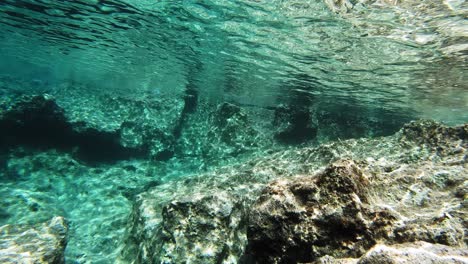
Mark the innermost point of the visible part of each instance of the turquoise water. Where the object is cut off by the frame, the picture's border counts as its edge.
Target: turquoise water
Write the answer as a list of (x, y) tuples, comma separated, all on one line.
[(411, 54), (139, 93)]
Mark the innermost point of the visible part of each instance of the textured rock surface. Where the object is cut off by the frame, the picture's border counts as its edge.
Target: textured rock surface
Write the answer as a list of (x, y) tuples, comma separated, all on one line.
[(300, 219), (337, 199), (119, 126), (146, 123), (410, 253), (116, 128), (39, 122), (41, 243), (202, 222), (352, 205), (219, 134)]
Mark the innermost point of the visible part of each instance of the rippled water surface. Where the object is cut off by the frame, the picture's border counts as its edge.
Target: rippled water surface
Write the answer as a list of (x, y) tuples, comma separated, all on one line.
[(396, 54)]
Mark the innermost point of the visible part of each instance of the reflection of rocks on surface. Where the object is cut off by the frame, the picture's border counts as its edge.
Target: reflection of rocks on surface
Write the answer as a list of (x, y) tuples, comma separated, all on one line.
[(42, 243), (395, 189)]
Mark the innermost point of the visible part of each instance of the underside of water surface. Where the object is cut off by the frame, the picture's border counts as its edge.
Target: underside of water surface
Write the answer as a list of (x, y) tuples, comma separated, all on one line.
[(121, 121)]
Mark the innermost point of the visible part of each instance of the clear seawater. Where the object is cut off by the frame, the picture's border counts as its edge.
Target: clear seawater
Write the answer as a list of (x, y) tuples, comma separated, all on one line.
[(383, 60)]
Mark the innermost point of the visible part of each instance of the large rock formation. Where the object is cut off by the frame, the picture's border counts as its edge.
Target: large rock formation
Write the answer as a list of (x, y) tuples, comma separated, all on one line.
[(98, 126), (338, 199), (41, 243), (300, 219), (144, 123), (349, 207)]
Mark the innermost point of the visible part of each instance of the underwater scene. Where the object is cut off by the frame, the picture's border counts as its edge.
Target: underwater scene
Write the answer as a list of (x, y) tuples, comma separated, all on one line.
[(233, 131)]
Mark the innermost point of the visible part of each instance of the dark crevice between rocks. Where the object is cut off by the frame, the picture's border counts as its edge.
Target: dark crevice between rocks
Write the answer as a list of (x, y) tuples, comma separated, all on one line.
[(164, 155), (95, 146), (38, 123), (295, 125), (294, 121)]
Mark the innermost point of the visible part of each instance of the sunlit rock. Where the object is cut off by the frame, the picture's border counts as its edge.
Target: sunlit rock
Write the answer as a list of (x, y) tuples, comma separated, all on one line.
[(410, 253), (286, 207), (41, 243)]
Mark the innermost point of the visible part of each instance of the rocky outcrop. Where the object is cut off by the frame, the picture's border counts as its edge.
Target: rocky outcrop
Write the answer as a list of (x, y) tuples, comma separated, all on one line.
[(443, 140), (96, 127), (294, 125), (34, 120), (38, 122), (353, 205), (42, 243), (338, 199), (193, 224), (301, 219), (220, 133), (349, 207), (146, 123)]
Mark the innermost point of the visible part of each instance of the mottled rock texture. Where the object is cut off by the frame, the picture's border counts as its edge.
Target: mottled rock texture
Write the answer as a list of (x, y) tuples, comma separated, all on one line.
[(94, 127), (300, 219), (338, 199), (101, 128), (220, 134), (409, 253), (41, 243), (352, 205), (146, 123)]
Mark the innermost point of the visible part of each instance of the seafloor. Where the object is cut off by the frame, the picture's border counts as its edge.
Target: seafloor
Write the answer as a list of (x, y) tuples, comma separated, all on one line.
[(222, 183)]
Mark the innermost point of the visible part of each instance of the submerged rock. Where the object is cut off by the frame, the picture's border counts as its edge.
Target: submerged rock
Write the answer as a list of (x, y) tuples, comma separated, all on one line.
[(338, 199), (32, 120), (300, 219), (145, 124), (219, 134), (98, 126), (349, 207), (411, 253), (38, 122), (195, 224), (42, 243)]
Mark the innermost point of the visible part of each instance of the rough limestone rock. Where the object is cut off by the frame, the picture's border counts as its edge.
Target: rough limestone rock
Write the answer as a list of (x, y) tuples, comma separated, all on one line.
[(338, 199), (146, 123), (220, 133), (306, 217), (443, 140), (352, 205), (409, 253), (118, 126), (42, 243), (194, 224)]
